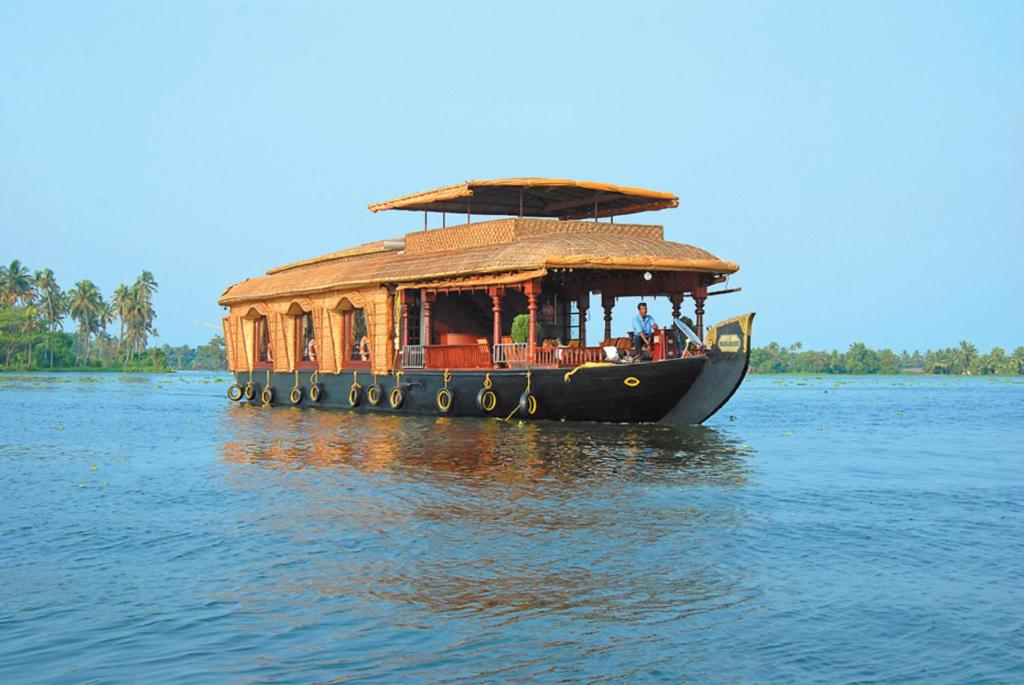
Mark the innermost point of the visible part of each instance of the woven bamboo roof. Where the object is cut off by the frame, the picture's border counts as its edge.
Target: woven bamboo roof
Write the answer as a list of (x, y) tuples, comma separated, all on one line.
[(534, 197), (496, 248)]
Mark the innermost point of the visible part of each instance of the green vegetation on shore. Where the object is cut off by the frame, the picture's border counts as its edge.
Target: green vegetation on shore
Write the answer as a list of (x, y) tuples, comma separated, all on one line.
[(963, 359), (34, 308)]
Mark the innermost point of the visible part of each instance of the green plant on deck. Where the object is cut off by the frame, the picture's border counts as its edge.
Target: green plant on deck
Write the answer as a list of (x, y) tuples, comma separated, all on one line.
[(521, 329)]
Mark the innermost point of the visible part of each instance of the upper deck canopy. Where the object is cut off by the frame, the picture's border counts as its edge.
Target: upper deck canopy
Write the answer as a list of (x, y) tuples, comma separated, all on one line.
[(534, 197)]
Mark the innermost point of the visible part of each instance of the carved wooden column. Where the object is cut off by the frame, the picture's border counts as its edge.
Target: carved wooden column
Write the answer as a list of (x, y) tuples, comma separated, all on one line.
[(699, 311), (496, 308), (677, 303), (582, 306), (425, 335), (405, 320), (607, 302), (531, 299)]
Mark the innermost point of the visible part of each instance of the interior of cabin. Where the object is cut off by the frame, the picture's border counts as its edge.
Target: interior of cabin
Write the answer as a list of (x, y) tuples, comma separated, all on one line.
[(459, 325)]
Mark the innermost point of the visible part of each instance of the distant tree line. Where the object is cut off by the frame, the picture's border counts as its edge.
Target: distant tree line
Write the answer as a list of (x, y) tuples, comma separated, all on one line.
[(210, 357), (964, 359), (33, 309)]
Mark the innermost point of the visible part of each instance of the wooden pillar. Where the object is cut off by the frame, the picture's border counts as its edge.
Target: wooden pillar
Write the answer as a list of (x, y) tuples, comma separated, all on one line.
[(677, 303), (699, 311), (496, 308), (405, 320), (607, 302), (582, 305), (425, 334), (531, 290)]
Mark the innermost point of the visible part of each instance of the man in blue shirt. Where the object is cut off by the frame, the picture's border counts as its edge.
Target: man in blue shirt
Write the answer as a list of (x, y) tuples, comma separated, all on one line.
[(643, 329)]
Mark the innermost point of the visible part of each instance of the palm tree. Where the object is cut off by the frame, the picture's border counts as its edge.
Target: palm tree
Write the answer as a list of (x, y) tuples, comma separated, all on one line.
[(144, 288), (966, 353), (53, 305), (1017, 361), (29, 327), (121, 301), (106, 313), (15, 283), (84, 303), (146, 285)]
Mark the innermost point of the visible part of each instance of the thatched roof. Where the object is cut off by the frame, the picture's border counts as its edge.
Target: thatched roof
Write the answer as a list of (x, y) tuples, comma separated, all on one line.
[(534, 197), (499, 247)]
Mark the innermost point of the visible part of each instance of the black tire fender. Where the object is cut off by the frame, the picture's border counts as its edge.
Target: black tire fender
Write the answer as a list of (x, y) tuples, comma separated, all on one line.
[(486, 400), (528, 404), (445, 399), (374, 394)]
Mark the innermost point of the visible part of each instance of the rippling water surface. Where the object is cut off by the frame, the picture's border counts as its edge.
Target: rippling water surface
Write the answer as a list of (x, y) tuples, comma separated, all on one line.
[(864, 529)]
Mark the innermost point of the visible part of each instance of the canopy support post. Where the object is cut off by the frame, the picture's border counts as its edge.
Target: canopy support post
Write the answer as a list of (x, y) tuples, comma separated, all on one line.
[(427, 301), (405, 320), (699, 311), (607, 302), (520, 202), (582, 305), (677, 302), (424, 219), (496, 309), (531, 303)]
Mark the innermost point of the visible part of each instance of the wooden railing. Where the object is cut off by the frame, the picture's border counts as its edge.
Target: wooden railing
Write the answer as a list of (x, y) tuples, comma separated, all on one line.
[(457, 356), (480, 356), (567, 356)]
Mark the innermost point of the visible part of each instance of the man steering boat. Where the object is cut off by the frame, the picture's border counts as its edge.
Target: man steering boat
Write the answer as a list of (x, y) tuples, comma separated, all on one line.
[(644, 328)]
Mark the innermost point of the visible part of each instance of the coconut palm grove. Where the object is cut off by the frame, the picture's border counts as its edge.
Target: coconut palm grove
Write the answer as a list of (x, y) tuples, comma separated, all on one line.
[(44, 327)]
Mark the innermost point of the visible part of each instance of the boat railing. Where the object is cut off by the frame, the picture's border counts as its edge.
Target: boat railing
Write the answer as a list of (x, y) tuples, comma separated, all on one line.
[(568, 356), (511, 353), (476, 356), (412, 357), (483, 356)]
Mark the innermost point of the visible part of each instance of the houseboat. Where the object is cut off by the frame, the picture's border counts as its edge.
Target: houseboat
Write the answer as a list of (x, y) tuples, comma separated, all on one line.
[(490, 317)]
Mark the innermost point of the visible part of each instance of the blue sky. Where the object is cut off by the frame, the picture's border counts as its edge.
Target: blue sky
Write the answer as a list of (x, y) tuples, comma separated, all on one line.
[(863, 162)]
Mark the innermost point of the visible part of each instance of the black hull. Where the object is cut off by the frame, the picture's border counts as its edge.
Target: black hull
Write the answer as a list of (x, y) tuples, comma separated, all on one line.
[(677, 391)]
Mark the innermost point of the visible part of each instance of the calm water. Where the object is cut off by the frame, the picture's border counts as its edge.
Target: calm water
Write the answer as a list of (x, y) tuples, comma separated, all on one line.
[(867, 529)]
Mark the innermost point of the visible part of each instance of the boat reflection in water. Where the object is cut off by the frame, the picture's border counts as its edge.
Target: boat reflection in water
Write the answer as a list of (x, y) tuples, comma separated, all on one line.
[(504, 521), (515, 451)]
